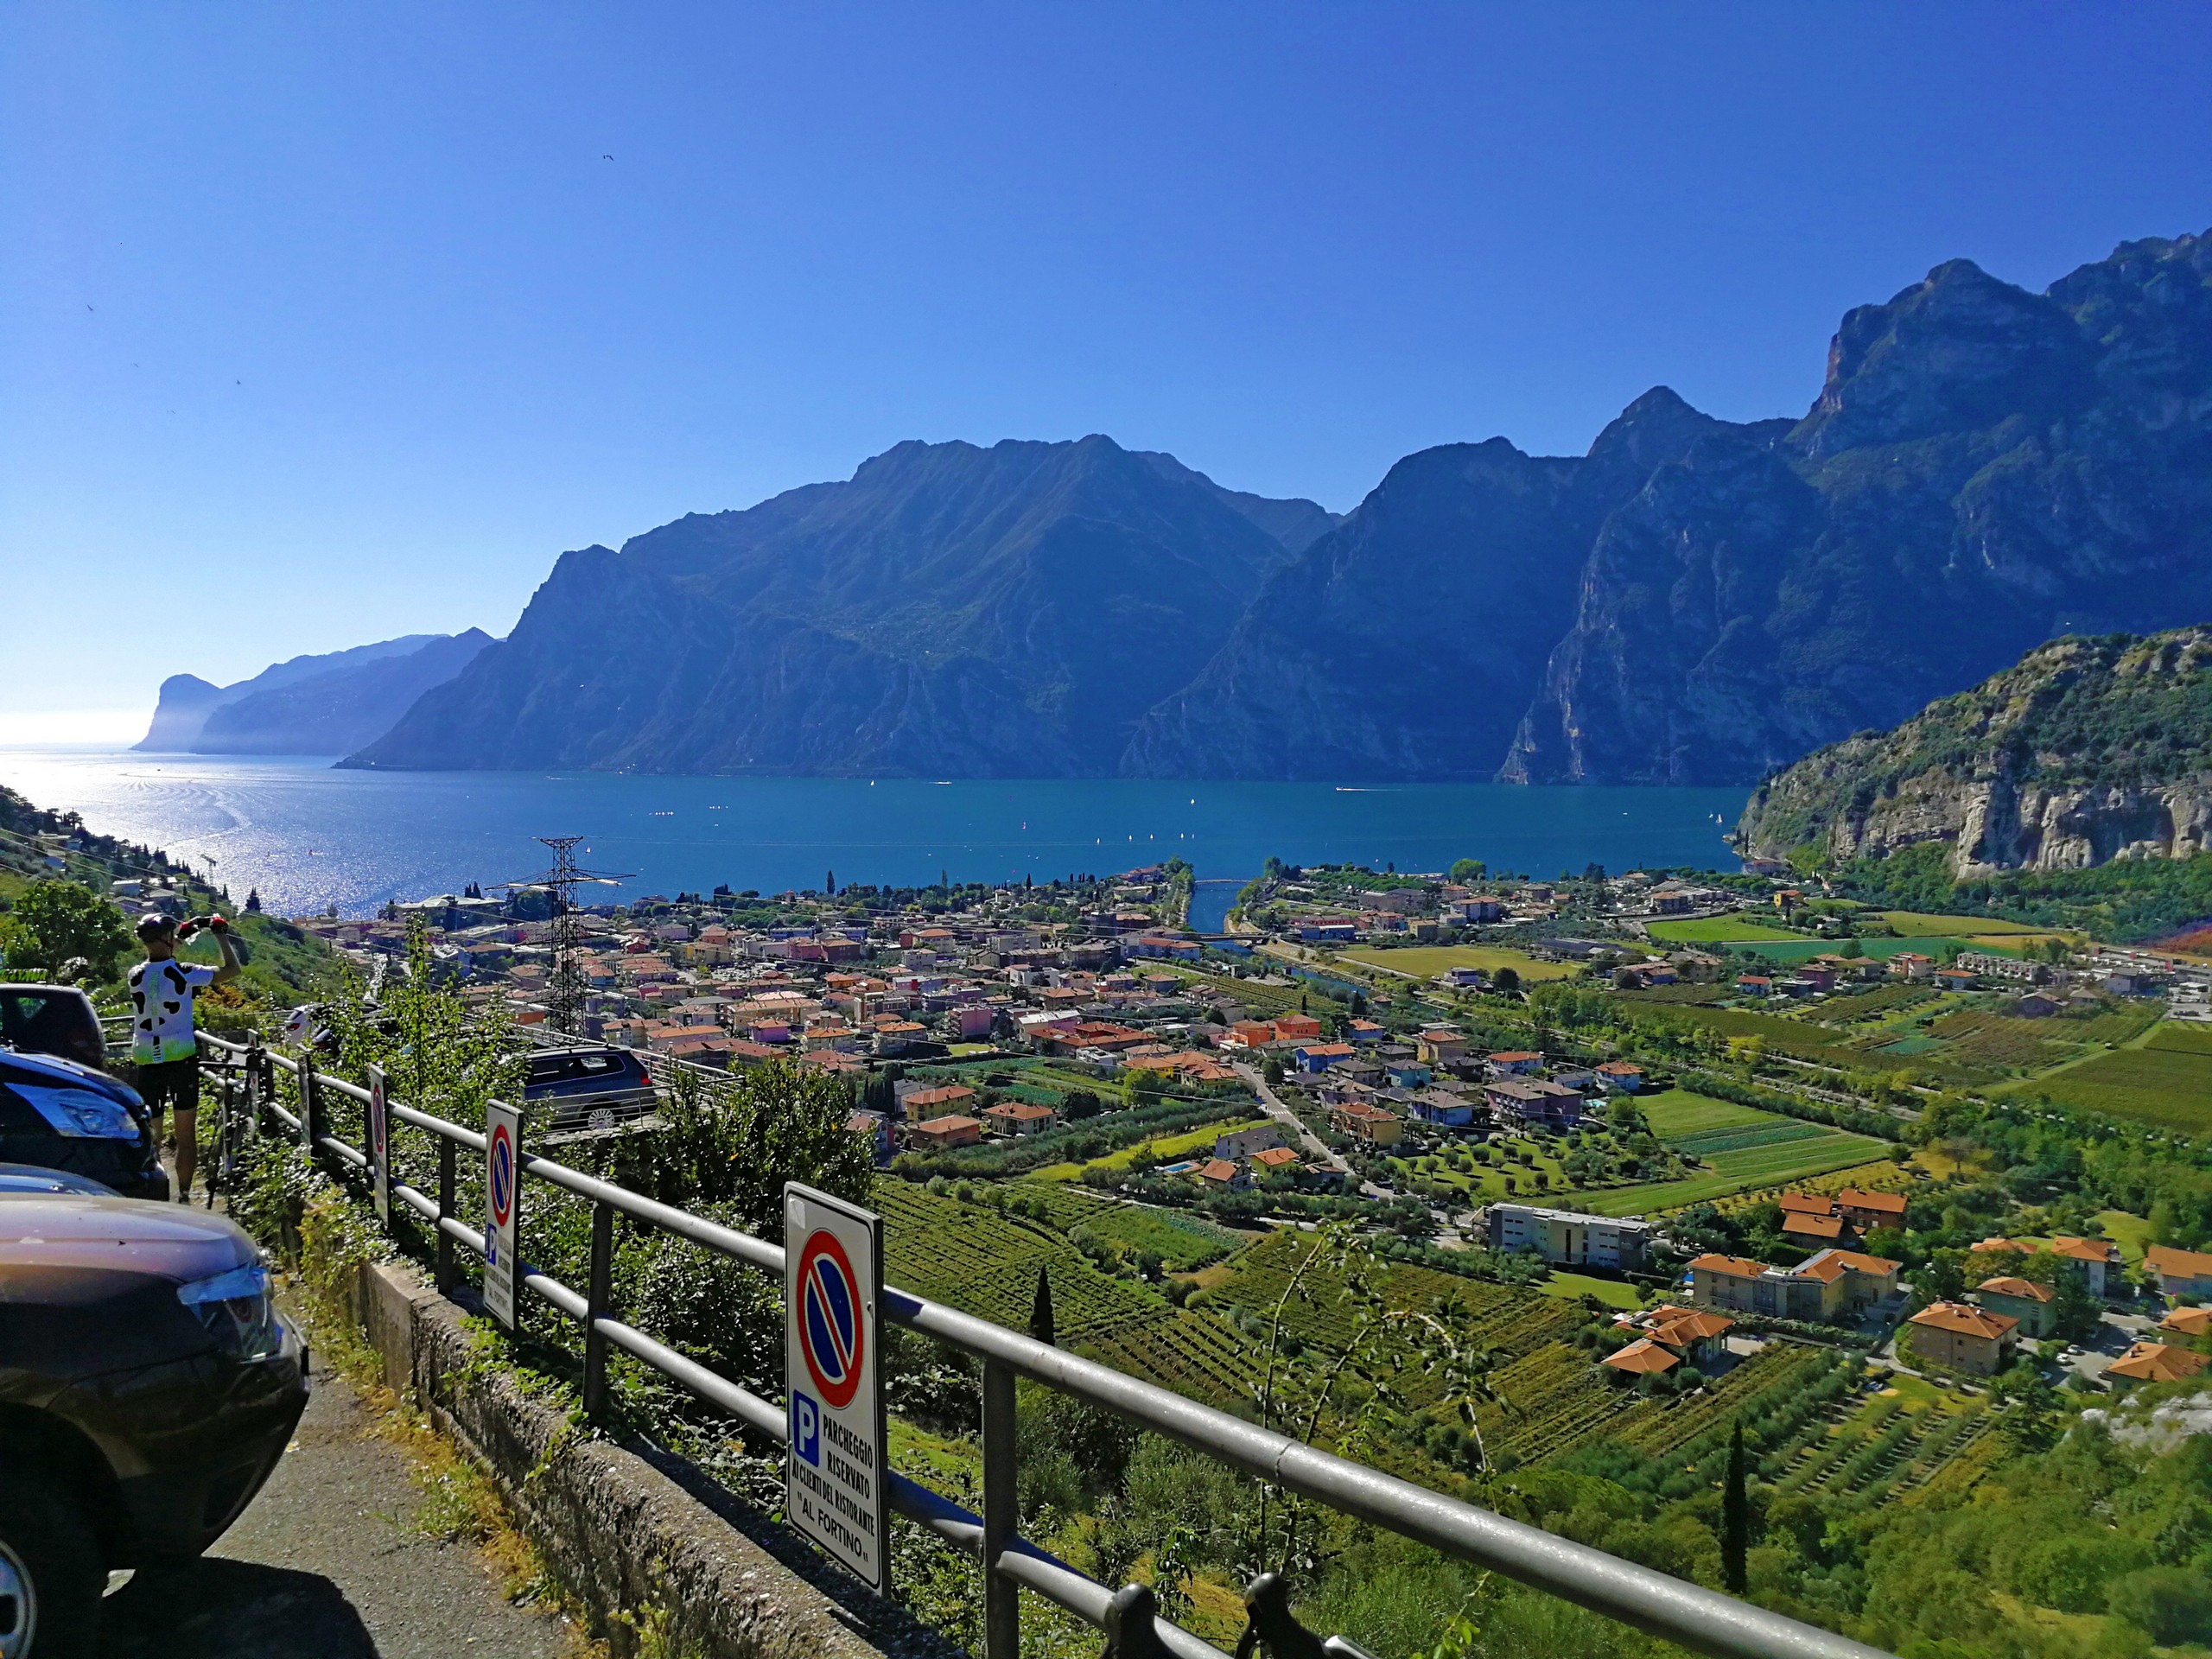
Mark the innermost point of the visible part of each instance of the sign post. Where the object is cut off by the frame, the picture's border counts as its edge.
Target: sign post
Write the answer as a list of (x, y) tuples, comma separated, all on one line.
[(379, 1144), (502, 1209), (835, 1478)]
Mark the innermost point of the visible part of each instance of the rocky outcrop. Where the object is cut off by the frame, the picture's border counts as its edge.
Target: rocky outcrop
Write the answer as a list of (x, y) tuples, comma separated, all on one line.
[(315, 704), (1984, 469), (2088, 750)]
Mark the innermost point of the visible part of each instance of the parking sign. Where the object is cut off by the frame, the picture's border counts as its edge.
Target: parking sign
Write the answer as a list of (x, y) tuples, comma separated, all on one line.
[(502, 1209), (835, 1476)]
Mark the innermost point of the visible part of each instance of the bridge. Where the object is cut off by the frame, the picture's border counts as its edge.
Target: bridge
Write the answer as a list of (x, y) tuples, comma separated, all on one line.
[(417, 1327)]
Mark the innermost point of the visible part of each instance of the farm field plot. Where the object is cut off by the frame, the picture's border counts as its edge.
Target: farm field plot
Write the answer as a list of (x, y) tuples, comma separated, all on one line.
[(1166, 1148), (2171, 1087), (1426, 961), (1914, 923), (1512, 1321), (1681, 991), (1796, 1038), (1613, 1293), (1982, 1037), (1799, 949), (2181, 1037), (986, 1263), (1181, 1241), (1719, 930), (1747, 1169), (1677, 1112)]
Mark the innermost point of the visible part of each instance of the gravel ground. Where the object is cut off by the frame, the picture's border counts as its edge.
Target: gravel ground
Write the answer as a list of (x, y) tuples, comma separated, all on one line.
[(324, 1565)]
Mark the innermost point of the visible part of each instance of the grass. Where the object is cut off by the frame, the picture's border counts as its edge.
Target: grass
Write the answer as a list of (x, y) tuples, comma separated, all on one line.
[(1677, 1113), (1611, 1292), (1427, 961), (2131, 1233), (1748, 1169), (1722, 930), (1915, 924), (2169, 1087)]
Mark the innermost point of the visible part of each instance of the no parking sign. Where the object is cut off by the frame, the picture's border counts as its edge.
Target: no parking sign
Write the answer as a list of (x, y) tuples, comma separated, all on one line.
[(833, 1373), (502, 1209)]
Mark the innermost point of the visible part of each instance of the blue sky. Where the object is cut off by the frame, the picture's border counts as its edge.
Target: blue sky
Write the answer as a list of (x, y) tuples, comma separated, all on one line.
[(321, 324)]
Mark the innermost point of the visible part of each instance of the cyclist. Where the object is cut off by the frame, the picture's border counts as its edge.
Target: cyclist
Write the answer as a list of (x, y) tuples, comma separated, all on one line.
[(162, 1040)]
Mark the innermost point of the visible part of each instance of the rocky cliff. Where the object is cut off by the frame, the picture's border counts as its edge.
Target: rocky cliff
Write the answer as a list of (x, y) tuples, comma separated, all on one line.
[(326, 705), (950, 611), (2086, 750)]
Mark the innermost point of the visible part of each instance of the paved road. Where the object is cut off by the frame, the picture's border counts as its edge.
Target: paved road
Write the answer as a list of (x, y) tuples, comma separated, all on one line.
[(324, 1565), (1314, 1144)]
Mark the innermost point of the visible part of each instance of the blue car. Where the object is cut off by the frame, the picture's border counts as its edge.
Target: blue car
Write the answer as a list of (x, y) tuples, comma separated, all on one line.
[(61, 1115)]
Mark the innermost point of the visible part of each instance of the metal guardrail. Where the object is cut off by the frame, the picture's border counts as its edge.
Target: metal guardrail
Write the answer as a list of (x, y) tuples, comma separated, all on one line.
[(1671, 1608)]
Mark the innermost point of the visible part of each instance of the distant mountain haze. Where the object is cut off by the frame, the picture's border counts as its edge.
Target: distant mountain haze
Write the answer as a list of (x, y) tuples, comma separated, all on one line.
[(328, 705), (1692, 602)]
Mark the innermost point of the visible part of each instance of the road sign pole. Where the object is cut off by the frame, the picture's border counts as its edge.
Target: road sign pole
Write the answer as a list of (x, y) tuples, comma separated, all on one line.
[(502, 1209), (835, 1480)]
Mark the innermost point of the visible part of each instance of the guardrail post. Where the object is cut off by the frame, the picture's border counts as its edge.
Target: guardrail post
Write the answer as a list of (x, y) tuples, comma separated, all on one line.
[(596, 1308), (448, 1175), (310, 1104), (1001, 1518)]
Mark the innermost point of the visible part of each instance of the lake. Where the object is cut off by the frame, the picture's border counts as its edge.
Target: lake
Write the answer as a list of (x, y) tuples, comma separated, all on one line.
[(309, 837)]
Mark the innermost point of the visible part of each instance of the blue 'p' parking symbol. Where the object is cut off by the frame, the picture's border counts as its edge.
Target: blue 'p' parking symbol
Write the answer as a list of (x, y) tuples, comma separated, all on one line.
[(806, 1428)]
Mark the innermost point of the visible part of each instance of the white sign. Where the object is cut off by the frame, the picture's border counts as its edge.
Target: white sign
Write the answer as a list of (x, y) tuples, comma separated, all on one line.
[(835, 1478), (379, 1144), (502, 1209)]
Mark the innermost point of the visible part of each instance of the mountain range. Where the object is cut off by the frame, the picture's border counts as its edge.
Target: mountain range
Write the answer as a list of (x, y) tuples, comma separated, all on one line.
[(326, 704), (1694, 601)]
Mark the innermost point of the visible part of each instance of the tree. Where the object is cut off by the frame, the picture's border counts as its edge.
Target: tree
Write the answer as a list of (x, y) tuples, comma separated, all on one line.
[(1041, 1311), (2171, 1605), (253, 902), (1735, 1517), (1469, 869), (55, 921), (1272, 1072), (830, 883), (1506, 980)]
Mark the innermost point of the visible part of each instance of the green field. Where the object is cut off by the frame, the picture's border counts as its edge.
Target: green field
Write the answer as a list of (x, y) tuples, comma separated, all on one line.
[(1915, 924), (2168, 1085), (1427, 961), (1720, 930), (1611, 1292), (1678, 1113), (1743, 1170), (1803, 950)]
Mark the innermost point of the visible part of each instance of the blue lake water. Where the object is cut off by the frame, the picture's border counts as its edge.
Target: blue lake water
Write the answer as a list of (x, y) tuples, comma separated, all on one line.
[(309, 837)]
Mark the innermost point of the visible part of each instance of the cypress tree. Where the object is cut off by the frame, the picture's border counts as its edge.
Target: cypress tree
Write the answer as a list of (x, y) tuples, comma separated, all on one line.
[(1040, 1312), (1735, 1517)]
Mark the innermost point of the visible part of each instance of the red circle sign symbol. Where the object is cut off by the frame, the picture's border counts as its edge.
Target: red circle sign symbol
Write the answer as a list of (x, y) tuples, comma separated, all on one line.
[(501, 1175), (832, 1335)]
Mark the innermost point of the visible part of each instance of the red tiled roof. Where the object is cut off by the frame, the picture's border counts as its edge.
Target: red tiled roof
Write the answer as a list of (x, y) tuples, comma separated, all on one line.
[(1735, 1267), (2156, 1362), (1643, 1357), (2026, 1290), (1964, 1319)]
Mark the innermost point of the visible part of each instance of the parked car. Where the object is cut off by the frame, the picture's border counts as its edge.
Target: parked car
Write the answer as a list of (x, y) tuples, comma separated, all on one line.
[(148, 1385), (61, 1115), (51, 1020), (575, 1092)]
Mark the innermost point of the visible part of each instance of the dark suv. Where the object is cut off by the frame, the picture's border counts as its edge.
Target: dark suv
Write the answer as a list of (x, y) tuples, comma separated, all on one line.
[(51, 1020), (61, 1115), (578, 1092), (147, 1387)]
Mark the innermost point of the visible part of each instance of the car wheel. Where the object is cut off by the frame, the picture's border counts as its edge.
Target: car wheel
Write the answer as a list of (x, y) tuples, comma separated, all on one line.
[(51, 1576)]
